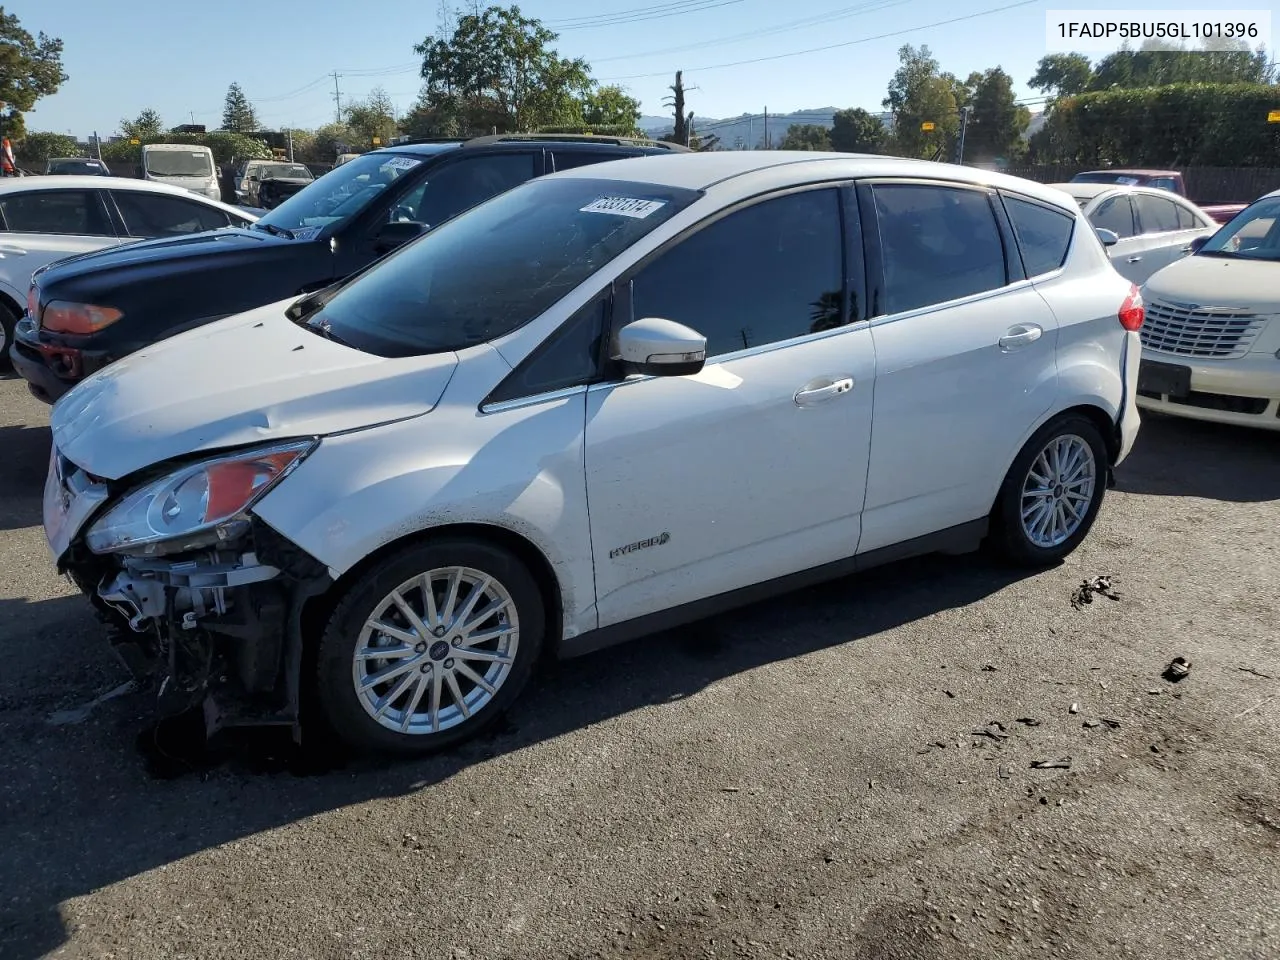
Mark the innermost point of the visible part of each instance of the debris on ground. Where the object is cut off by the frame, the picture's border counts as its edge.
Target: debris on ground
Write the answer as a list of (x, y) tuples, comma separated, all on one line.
[(1177, 669), (1084, 593), (1005, 772), (950, 695), (988, 669), (1260, 703), (1062, 764), (1113, 724), (994, 729), (1075, 708), (1029, 721), (1090, 724), (1257, 673)]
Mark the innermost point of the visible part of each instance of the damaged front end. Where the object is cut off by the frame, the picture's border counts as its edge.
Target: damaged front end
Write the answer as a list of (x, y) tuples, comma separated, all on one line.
[(203, 599)]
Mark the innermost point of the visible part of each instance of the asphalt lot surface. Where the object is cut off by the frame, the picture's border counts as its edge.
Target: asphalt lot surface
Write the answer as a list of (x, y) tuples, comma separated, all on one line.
[(798, 779)]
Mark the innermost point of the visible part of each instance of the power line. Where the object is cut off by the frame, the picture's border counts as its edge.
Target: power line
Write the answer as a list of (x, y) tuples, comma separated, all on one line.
[(843, 13), (830, 46), (636, 13), (696, 7)]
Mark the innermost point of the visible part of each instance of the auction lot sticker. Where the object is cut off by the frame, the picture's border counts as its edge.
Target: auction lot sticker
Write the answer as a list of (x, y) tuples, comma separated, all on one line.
[(1203, 31), (624, 206)]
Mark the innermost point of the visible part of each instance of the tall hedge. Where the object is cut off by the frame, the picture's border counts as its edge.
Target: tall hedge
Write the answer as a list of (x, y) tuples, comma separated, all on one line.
[(1185, 124)]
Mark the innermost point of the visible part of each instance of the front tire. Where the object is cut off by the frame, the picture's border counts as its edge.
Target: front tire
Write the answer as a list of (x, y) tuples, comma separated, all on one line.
[(429, 647), (1052, 493)]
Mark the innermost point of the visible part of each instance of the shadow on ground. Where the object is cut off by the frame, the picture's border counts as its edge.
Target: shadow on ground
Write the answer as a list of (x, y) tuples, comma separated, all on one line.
[(1189, 458), (79, 809), (24, 461)]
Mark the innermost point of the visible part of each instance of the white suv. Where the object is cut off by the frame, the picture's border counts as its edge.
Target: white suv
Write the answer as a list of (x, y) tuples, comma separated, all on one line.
[(609, 401)]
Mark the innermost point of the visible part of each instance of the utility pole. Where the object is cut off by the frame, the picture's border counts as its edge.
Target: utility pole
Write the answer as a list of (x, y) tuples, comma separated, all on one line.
[(964, 123), (337, 98), (289, 134), (768, 144), (97, 144)]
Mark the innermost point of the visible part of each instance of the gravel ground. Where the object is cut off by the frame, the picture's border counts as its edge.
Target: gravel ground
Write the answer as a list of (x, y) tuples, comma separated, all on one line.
[(798, 779)]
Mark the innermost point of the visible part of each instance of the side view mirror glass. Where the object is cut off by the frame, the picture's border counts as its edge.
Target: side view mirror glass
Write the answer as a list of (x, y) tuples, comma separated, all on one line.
[(661, 348), (1109, 238), (1197, 243), (392, 235)]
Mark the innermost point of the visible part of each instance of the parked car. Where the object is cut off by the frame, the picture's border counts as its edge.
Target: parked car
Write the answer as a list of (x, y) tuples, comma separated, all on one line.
[(604, 403), (183, 165), (336, 226), (76, 166), (265, 184), (1211, 343), (1143, 228), (1169, 180), (44, 219)]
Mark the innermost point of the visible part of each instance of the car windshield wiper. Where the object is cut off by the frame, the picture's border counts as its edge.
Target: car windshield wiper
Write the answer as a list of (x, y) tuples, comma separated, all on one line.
[(275, 231), (324, 329)]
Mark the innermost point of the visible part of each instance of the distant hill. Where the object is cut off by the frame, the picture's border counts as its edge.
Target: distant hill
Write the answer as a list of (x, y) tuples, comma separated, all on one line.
[(747, 130)]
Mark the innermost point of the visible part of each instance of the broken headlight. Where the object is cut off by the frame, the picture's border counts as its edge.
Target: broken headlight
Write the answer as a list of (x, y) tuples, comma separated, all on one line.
[(201, 504)]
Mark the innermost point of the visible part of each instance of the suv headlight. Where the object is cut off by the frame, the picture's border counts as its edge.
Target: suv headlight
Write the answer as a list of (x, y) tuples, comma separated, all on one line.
[(201, 504)]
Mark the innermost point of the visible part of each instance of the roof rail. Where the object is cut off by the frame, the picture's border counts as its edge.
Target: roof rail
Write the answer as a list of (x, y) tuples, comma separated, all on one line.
[(576, 138), (403, 143)]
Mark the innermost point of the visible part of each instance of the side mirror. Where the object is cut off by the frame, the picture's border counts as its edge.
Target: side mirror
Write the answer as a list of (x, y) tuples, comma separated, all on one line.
[(396, 233), (1199, 242), (661, 348), (1109, 238)]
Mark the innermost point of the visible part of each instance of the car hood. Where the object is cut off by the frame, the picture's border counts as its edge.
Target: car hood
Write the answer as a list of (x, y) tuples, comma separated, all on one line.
[(227, 242), (1218, 282), (253, 378)]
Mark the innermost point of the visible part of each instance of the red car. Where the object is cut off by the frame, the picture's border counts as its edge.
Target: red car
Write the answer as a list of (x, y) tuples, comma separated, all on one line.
[(1170, 180)]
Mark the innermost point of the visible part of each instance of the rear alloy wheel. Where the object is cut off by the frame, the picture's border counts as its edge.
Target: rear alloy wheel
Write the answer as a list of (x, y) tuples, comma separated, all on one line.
[(430, 647), (1052, 493)]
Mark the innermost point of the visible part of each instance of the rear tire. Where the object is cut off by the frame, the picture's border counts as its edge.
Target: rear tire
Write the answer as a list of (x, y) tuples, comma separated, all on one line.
[(452, 666), (8, 323), (1052, 493)]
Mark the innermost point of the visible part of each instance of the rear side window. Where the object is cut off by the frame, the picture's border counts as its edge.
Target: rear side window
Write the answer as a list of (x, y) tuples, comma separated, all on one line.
[(1188, 220), (939, 243), (156, 215), (1115, 215), (66, 212), (1165, 183), (1156, 214), (1044, 235)]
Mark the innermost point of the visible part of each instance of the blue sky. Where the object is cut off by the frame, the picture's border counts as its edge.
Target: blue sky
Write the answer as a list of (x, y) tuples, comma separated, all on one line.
[(124, 57)]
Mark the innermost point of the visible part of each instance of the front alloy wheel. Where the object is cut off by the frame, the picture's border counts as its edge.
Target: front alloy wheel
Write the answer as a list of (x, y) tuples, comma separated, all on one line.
[(429, 647)]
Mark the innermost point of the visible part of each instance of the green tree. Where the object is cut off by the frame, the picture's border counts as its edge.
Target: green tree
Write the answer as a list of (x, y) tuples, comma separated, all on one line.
[(226, 147), (504, 73), (996, 121), (30, 68), (373, 119), (611, 107), (806, 136), (1062, 74), (434, 115), (857, 131), (918, 94), (1158, 63), (238, 115), (147, 126), (36, 148)]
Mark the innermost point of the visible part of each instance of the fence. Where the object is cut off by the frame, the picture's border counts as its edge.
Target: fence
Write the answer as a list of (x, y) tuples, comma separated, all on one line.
[(1204, 184)]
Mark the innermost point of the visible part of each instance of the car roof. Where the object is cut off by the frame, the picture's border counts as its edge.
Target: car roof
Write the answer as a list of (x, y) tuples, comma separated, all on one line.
[(1140, 171), (81, 159), (60, 182), (1089, 190), (517, 142), (700, 171)]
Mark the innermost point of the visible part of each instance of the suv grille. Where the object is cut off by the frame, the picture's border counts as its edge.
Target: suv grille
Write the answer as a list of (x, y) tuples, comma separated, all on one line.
[(1193, 331)]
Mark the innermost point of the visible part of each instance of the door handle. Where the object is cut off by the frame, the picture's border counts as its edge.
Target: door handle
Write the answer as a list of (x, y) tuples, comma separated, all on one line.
[(820, 391), (1020, 336), (11, 251), (1133, 259)]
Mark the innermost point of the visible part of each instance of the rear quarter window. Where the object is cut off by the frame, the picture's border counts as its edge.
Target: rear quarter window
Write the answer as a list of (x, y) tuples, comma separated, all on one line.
[(1043, 234)]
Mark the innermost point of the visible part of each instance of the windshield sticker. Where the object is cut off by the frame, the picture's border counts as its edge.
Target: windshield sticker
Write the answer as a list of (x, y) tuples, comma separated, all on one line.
[(305, 233), (624, 207), (197, 154), (1127, 181), (402, 163)]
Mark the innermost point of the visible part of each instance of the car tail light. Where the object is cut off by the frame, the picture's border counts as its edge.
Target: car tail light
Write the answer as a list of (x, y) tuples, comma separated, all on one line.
[(82, 319), (1132, 311)]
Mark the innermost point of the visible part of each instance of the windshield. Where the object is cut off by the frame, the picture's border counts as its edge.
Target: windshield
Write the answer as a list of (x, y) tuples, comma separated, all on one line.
[(341, 193), (294, 171), (1106, 178), (494, 268), (75, 167), (178, 163), (1253, 234)]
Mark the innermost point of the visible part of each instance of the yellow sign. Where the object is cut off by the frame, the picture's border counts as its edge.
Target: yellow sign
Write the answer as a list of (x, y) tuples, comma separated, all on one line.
[(135, 140), (1273, 116), (377, 140), (927, 126)]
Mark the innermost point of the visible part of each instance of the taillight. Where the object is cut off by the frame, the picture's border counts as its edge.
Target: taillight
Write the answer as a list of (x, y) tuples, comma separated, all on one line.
[(1132, 312), (81, 319)]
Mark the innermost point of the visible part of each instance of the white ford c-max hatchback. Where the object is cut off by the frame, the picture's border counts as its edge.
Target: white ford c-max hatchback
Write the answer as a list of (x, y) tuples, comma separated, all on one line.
[(609, 401)]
